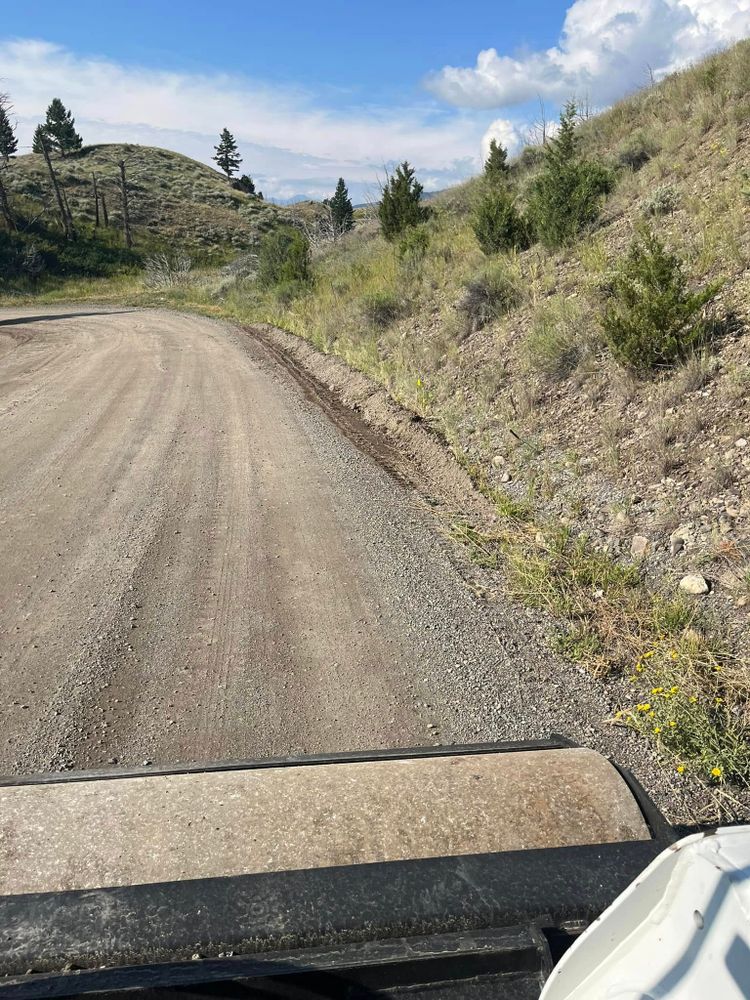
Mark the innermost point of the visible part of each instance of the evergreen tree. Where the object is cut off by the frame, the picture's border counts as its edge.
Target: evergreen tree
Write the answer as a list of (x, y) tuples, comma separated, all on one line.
[(8, 141), (567, 194), (40, 136), (497, 223), (59, 126), (245, 184), (400, 204), (226, 154), (342, 212), (496, 164)]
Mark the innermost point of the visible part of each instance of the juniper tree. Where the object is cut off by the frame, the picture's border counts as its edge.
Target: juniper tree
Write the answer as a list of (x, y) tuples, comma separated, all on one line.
[(400, 204), (567, 194), (245, 184), (60, 127), (497, 224), (496, 164), (8, 141), (342, 212), (226, 154)]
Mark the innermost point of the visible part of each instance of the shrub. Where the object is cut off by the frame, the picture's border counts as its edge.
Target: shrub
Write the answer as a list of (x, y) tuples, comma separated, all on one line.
[(413, 245), (165, 270), (381, 308), (651, 318), (558, 339), (530, 157), (636, 151), (567, 194), (400, 204), (663, 200), (283, 256), (497, 224), (493, 293)]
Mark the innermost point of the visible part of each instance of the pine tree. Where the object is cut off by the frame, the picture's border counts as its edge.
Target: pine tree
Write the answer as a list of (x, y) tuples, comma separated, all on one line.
[(40, 137), (8, 141), (226, 154), (496, 164), (60, 128), (400, 204), (342, 212)]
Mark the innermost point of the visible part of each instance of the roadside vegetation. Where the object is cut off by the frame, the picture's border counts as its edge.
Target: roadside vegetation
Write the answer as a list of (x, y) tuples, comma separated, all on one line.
[(573, 324)]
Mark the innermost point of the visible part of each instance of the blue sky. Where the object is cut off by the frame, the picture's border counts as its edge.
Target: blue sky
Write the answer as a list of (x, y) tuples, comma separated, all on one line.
[(355, 50), (317, 90)]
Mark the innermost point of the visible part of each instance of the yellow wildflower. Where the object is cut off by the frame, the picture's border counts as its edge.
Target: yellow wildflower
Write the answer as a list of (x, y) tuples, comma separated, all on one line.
[(680, 768), (656, 690), (672, 724), (673, 654), (718, 701), (692, 699), (716, 772), (644, 708), (674, 690), (657, 729), (649, 653)]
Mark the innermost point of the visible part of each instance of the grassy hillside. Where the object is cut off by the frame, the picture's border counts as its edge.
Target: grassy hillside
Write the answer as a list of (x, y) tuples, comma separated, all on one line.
[(173, 199), (610, 485), (176, 205)]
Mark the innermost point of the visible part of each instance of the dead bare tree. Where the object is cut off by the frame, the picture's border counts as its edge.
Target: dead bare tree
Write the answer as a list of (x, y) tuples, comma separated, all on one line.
[(322, 231), (96, 200), (65, 217), (105, 214), (5, 208), (125, 208)]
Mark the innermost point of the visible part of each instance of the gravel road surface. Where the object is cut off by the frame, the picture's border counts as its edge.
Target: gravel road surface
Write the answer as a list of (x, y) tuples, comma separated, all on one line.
[(197, 564)]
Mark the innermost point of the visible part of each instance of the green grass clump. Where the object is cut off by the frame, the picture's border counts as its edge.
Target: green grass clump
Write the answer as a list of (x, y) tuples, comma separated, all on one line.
[(381, 308), (560, 336), (493, 293), (691, 708)]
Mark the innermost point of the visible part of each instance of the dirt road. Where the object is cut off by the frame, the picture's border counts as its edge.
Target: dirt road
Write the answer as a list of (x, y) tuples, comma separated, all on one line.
[(196, 563), (181, 574)]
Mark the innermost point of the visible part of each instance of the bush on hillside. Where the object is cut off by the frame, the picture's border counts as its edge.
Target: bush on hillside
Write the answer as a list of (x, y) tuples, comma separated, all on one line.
[(165, 270), (400, 204), (652, 320), (413, 245), (381, 308), (560, 338), (663, 200), (492, 294), (497, 224), (636, 151), (283, 256), (567, 194)]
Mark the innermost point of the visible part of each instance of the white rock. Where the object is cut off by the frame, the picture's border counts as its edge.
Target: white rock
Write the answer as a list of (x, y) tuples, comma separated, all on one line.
[(740, 443), (695, 584), (498, 461), (640, 546)]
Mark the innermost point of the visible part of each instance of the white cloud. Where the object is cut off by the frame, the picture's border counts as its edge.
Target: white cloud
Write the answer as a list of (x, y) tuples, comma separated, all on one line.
[(506, 133), (606, 48), (290, 141)]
